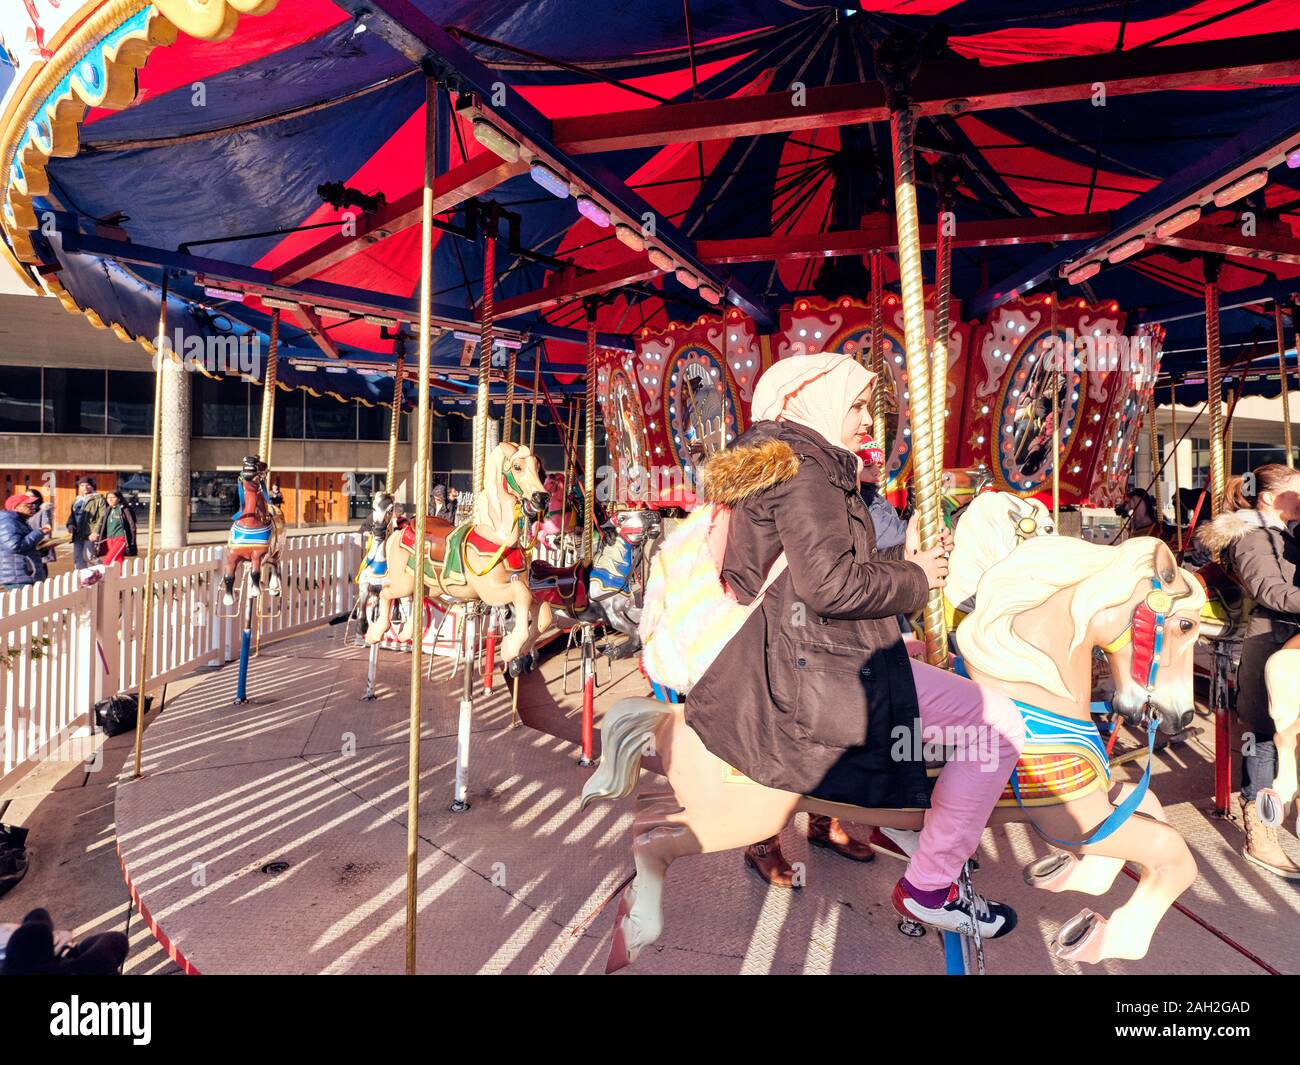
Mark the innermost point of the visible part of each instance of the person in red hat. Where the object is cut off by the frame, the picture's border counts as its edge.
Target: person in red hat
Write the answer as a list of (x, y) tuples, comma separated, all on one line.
[(891, 530), (20, 561)]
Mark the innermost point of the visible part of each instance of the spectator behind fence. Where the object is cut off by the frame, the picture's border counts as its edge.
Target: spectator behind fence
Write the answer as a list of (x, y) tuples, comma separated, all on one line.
[(86, 523), (20, 561), (119, 530), (43, 520)]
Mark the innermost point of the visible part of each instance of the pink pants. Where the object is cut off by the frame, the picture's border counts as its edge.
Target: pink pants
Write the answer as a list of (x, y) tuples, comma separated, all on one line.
[(987, 732)]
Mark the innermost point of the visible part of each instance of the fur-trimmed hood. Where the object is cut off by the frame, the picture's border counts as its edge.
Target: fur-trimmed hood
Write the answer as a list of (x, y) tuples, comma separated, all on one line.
[(1228, 528), (748, 468)]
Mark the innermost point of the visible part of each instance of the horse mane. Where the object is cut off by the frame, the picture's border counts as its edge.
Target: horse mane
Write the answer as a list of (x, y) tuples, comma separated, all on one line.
[(1102, 577), (984, 537)]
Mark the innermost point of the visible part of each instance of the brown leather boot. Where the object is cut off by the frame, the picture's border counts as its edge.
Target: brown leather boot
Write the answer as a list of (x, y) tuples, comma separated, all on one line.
[(766, 859), (828, 832), (1262, 847)]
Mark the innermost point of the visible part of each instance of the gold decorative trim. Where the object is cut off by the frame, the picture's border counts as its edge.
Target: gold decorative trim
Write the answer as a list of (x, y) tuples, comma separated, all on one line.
[(204, 19)]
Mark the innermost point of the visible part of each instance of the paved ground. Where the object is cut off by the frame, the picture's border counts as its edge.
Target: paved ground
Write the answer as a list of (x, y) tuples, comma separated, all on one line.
[(272, 838)]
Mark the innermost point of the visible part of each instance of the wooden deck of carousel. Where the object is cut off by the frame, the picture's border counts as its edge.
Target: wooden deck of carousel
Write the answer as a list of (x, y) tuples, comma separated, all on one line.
[(270, 838)]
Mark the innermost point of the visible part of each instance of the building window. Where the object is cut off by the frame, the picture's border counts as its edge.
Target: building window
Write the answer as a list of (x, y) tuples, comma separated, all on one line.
[(214, 498), (20, 399), (328, 419), (220, 408), (361, 489), (130, 403), (74, 401), (288, 415), (375, 423)]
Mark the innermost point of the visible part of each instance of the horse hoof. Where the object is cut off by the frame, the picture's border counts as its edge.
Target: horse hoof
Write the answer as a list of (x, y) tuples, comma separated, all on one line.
[(227, 599), (1269, 807), (1082, 938), (254, 592), (1050, 873), (517, 667)]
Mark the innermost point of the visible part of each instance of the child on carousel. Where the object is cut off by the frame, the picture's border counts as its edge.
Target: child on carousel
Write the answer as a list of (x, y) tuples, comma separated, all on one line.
[(814, 700)]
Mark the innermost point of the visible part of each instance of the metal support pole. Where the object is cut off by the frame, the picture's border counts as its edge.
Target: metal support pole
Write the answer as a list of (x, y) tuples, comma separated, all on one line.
[(512, 366), (161, 357), (1283, 374), (879, 424), (1054, 382), (420, 478), (460, 800), (537, 384), (1152, 446), (269, 379), (588, 696), (1178, 495), (395, 426), (1213, 383), (589, 448), (482, 410), (925, 434), (371, 670), (942, 307)]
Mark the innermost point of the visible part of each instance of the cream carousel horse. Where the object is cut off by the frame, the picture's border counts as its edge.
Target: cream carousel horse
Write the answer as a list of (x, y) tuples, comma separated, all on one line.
[(1282, 677), (482, 560), (374, 565), (991, 525), (1038, 615)]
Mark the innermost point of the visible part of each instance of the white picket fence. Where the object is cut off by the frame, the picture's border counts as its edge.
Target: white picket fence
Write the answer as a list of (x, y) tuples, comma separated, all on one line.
[(65, 645)]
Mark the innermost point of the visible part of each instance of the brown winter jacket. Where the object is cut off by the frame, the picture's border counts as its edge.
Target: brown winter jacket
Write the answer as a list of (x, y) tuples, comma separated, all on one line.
[(807, 695), (1263, 558)]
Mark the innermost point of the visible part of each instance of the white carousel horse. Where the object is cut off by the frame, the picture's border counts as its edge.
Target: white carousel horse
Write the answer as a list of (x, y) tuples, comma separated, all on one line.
[(482, 559), (1038, 615), (610, 593), (990, 526), (374, 566), (1282, 677)]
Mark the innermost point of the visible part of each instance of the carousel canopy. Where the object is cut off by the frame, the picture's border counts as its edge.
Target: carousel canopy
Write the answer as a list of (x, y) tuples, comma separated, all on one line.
[(1107, 151)]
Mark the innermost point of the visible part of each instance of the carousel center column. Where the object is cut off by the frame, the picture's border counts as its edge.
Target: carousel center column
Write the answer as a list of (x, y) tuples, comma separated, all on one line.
[(174, 472)]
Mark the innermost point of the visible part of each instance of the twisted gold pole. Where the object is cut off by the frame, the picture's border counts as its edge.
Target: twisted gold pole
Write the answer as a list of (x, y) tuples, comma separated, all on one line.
[(879, 424), (420, 478), (161, 355), (394, 426), (589, 446), (939, 360), (269, 379), (1055, 382), (1213, 385), (925, 434), (1152, 446), (537, 387), (1285, 385), (510, 400), (485, 357)]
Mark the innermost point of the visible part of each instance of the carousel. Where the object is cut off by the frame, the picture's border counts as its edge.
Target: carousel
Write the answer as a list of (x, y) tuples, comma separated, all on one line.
[(597, 245)]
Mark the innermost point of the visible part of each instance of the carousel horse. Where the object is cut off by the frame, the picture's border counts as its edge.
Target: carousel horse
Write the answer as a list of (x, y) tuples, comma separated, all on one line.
[(255, 535), (1038, 615), (479, 560), (986, 530), (1282, 678), (609, 591), (374, 565)]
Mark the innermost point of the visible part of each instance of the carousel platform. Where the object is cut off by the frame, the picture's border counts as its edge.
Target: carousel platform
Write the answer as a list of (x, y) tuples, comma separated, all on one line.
[(271, 838)]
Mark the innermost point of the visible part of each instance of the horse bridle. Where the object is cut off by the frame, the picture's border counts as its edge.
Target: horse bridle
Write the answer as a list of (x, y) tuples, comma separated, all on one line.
[(1146, 632)]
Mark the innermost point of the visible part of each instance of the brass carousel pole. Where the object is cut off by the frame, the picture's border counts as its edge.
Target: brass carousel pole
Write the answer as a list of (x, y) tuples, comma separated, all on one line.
[(395, 426), (267, 433), (1284, 384), (879, 426), (508, 435), (1153, 444), (1213, 383), (897, 69), (588, 527), (161, 356), (945, 180), (421, 511), (1056, 419), (485, 352), (537, 386)]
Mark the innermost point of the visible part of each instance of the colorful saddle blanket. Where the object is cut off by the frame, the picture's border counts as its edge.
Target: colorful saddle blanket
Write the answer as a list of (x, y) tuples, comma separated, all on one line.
[(1063, 759), (453, 560), (243, 537)]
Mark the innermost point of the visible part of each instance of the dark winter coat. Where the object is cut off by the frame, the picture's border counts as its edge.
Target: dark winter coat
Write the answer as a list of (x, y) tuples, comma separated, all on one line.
[(806, 695), (1263, 558), (20, 562)]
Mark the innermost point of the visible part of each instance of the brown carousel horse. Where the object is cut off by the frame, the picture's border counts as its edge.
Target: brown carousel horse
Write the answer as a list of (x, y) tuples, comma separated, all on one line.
[(256, 535), (1038, 615), (482, 560)]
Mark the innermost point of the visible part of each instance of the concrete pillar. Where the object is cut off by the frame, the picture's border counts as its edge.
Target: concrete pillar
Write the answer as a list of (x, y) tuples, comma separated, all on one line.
[(174, 460)]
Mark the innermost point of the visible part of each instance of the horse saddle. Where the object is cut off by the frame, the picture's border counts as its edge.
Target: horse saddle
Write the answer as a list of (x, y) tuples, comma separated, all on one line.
[(562, 586), (250, 536), (442, 544)]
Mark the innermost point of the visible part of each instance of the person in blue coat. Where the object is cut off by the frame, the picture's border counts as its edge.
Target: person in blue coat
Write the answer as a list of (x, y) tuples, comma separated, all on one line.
[(20, 561)]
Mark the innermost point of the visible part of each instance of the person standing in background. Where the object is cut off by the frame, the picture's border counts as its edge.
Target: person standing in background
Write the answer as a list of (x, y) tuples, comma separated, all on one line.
[(20, 562), (43, 522), (119, 530), (86, 523)]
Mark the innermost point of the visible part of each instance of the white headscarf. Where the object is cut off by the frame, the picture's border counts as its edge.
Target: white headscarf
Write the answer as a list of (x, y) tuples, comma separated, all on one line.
[(815, 391)]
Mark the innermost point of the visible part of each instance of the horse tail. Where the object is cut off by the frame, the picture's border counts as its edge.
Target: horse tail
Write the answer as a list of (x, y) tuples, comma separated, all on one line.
[(626, 727)]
